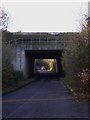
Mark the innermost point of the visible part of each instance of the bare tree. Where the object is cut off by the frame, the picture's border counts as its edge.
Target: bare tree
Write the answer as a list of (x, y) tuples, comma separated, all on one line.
[(4, 19)]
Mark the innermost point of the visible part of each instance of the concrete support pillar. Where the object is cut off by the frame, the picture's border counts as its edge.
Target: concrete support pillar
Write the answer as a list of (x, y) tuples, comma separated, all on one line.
[(29, 66), (59, 65)]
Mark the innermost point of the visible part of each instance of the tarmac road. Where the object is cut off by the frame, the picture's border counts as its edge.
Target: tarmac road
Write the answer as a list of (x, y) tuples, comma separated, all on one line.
[(44, 98)]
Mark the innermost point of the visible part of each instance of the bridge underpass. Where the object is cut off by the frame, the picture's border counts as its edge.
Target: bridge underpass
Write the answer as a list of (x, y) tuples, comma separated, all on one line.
[(24, 53), (32, 55)]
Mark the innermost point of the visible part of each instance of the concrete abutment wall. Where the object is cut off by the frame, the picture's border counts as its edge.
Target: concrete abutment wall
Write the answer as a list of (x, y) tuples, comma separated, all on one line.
[(23, 60)]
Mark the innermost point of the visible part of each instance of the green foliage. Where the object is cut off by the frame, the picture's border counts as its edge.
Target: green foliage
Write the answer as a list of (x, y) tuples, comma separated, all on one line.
[(75, 60), (9, 76)]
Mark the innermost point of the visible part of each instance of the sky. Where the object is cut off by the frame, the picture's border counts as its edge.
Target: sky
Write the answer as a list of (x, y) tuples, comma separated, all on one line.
[(45, 16)]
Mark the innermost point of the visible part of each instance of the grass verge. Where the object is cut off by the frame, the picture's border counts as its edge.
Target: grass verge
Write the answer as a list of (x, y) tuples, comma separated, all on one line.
[(19, 84), (78, 95)]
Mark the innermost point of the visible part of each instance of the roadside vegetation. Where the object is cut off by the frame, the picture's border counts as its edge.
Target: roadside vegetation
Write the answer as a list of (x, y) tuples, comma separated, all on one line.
[(11, 79), (76, 64)]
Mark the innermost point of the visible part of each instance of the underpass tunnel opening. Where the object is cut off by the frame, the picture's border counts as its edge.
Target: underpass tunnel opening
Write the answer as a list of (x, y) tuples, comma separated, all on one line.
[(43, 63)]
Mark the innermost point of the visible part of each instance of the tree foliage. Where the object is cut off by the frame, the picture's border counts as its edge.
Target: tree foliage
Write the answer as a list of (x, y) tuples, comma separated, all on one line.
[(4, 19), (76, 60)]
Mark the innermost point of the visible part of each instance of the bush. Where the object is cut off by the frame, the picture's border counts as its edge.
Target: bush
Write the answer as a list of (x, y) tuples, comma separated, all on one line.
[(10, 77), (84, 76), (75, 62)]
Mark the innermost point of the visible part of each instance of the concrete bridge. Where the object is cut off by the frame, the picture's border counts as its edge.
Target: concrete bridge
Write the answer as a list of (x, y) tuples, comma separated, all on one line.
[(25, 51)]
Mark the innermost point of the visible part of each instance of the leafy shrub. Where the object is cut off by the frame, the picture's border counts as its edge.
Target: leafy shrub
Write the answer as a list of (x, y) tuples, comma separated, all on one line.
[(76, 60), (84, 76), (10, 77)]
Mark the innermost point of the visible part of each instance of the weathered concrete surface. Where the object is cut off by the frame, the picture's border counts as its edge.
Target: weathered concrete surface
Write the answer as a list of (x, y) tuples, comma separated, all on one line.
[(45, 98)]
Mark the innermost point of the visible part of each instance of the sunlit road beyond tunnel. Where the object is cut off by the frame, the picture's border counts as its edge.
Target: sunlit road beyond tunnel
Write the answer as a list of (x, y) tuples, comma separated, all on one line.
[(43, 98)]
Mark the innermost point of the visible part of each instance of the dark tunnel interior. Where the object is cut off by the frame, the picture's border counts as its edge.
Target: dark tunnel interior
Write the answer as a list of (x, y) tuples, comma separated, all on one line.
[(32, 55)]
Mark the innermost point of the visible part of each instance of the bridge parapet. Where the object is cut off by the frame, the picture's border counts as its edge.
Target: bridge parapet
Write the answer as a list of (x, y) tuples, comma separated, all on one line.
[(40, 43)]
